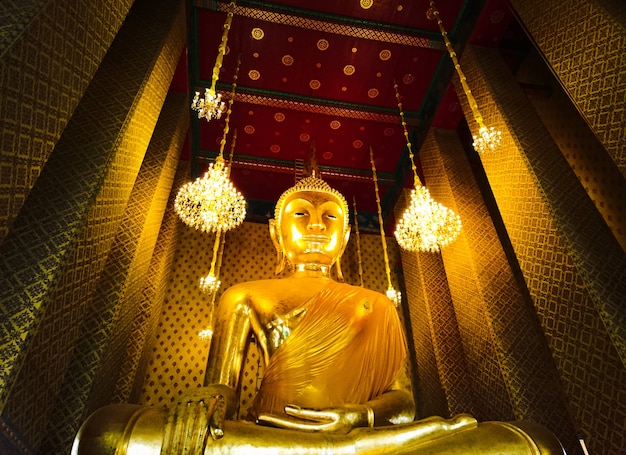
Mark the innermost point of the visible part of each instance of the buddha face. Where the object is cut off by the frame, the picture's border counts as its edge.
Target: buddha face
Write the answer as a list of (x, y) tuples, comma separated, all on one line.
[(312, 228)]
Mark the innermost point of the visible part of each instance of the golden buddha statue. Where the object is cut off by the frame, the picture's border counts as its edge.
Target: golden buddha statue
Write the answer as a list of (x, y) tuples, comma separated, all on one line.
[(335, 366)]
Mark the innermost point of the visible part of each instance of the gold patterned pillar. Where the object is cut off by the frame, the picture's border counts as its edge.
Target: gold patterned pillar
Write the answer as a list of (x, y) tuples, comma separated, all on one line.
[(52, 258), (594, 168), (45, 68), (157, 281), (157, 185), (573, 266), (584, 42), (444, 384), (513, 366)]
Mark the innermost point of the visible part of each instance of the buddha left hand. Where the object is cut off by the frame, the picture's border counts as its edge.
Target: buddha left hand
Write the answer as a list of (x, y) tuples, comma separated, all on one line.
[(332, 420)]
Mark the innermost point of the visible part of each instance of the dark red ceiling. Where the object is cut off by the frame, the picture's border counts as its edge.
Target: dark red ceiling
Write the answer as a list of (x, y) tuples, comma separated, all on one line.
[(321, 74)]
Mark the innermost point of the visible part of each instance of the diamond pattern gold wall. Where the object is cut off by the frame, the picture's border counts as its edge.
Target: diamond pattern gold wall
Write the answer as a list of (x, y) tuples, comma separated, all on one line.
[(70, 221), (158, 280), (520, 378), (443, 383), (564, 249), (149, 199), (584, 44), (593, 166), (61, 45)]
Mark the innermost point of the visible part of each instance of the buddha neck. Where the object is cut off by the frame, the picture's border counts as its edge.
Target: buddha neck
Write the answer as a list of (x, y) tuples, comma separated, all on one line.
[(311, 270)]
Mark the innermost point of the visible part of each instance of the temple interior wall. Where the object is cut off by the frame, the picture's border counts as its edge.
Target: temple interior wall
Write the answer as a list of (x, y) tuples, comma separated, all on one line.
[(99, 278)]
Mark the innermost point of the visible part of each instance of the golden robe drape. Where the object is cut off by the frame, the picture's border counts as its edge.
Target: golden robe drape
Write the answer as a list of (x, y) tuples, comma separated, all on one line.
[(347, 348)]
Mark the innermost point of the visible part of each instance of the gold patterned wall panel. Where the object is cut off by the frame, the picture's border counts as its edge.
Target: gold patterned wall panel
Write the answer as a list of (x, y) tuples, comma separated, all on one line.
[(178, 357), (480, 274), (585, 46), (43, 236), (482, 362), (49, 53), (442, 382), (548, 217), (594, 168), (157, 175), (108, 319), (79, 188), (123, 276), (157, 283)]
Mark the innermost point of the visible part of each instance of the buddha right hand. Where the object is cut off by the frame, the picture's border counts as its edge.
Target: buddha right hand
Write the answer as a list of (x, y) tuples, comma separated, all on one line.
[(332, 420), (200, 411)]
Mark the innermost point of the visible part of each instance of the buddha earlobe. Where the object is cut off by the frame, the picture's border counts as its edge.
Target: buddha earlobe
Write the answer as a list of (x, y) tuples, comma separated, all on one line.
[(280, 256), (338, 269), (346, 237)]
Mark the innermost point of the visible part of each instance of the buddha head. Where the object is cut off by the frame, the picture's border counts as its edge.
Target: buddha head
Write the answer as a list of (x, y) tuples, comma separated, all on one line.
[(310, 228)]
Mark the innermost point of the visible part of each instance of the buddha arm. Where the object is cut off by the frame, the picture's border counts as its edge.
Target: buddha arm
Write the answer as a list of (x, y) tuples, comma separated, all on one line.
[(232, 326)]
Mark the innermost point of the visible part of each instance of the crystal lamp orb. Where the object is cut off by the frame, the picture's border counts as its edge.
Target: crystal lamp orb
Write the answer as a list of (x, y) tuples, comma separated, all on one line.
[(211, 203), (426, 225), (487, 139), (209, 284), (205, 335), (210, 107)]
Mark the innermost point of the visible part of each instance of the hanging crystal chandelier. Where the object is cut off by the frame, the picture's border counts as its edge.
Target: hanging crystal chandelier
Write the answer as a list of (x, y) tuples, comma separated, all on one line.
[(209, 284), (211, 106), (487, 139), (391, 293), (211, 203), (425, 225)]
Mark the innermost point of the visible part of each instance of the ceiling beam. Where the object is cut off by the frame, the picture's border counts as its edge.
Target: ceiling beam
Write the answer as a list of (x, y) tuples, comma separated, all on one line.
[(287, 167), (330, 23)]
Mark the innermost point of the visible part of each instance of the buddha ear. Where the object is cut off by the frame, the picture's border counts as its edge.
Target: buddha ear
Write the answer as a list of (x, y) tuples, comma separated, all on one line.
[(275, 236), (346, 237)]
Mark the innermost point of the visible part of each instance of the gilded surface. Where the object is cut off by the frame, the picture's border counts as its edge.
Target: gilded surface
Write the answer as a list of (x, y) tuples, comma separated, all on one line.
[(554, 230), (334, 355), (71, 218)]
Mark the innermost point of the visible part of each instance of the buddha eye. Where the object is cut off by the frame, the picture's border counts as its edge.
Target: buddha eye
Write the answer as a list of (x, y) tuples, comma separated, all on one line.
[(331, 216), (299, 214)]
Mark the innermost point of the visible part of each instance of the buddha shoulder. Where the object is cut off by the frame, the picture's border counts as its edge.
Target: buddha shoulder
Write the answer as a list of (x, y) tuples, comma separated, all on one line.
[(277, 296)]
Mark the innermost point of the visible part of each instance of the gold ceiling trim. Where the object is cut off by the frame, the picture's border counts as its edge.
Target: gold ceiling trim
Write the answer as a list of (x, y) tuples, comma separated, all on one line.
[(330, 27), (314, 108), (338, 174)]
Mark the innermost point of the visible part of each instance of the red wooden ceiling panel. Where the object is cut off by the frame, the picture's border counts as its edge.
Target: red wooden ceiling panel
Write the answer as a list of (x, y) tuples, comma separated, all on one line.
[(323, 72)]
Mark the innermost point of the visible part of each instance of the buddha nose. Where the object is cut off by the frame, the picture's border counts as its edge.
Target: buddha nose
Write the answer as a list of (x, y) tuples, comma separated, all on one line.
[(315, 224)]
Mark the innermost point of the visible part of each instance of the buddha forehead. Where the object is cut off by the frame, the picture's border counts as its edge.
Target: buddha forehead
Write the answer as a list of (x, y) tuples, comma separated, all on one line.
[(315, 198)]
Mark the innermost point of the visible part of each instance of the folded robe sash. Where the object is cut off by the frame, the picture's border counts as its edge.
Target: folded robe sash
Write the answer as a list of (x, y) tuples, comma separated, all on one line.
[(347, 348)]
